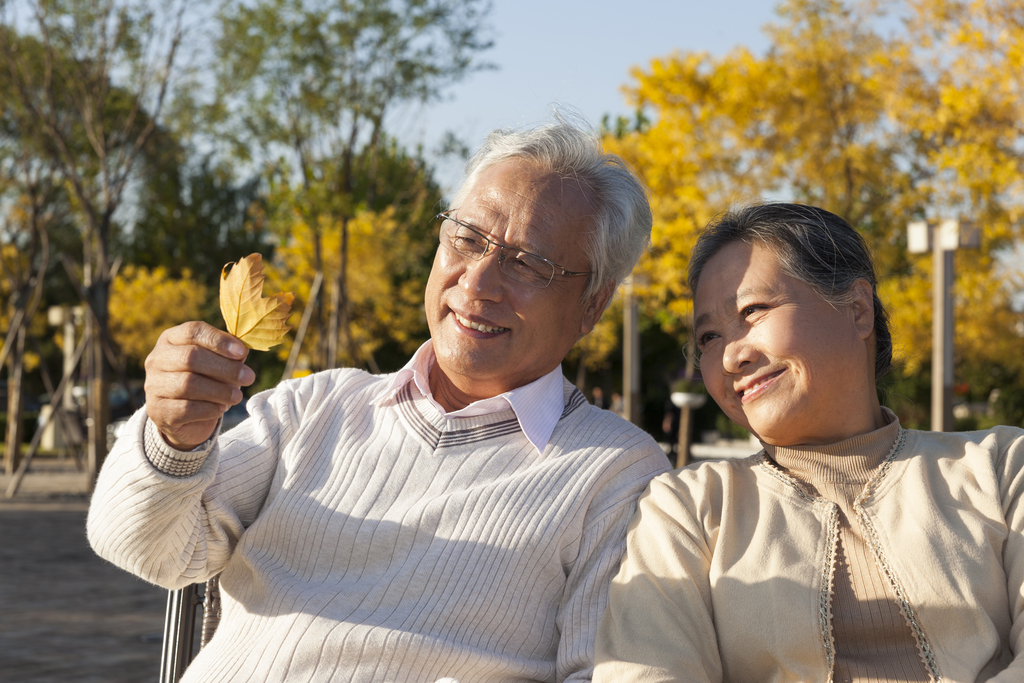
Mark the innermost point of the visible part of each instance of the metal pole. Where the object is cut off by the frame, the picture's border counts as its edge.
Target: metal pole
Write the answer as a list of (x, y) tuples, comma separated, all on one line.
[(942, 337), (685, 439), (179, 632), (631, 357), (68, 320)]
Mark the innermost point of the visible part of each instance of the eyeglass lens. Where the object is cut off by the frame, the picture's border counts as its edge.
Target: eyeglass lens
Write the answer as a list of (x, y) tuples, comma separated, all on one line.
[(518, 265)]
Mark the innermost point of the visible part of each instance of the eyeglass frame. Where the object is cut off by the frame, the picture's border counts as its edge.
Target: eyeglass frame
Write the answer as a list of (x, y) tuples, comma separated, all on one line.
[(556, 269)]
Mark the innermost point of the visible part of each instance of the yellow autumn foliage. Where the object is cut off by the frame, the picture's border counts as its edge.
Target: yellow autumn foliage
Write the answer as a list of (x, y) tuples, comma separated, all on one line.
[(383, 304), (143, 303), (879, 127), (595, 349), (16, 266)]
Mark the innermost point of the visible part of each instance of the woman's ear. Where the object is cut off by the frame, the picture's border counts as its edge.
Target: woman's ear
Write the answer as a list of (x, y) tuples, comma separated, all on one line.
[(863, 307)]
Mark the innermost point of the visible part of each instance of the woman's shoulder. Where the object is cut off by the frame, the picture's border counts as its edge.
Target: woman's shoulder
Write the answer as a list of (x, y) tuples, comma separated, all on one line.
[(999, 449), (1000, 438), (721, 467), (708, 477)]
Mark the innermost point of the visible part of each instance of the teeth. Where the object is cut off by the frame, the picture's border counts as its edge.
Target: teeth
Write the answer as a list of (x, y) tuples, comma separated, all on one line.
[(477, 326), (759, 383)]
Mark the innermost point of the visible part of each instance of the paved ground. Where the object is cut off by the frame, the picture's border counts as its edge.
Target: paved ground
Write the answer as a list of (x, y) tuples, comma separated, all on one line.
[(65, 614)]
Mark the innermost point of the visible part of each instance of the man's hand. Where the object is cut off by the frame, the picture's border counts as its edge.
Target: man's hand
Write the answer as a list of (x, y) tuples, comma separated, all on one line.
[(194, 373)]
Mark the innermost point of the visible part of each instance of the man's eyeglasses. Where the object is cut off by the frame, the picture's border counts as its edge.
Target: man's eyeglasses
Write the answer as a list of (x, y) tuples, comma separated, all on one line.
[(521, 266)]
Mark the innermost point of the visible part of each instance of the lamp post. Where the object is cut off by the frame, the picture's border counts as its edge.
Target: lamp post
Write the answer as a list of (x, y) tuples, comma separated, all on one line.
[(942, 240), (631, 354)]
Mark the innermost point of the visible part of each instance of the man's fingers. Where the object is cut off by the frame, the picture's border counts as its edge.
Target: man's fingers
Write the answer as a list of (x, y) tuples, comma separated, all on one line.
[(171, 359), (206, 336), (197, 347), (191, 386), (194, 373)]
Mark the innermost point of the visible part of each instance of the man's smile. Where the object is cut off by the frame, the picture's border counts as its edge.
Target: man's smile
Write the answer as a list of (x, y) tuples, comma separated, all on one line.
[(479, 327)]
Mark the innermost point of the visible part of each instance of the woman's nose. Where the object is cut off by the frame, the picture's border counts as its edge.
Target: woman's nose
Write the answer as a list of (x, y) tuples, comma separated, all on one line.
[(738, 354)]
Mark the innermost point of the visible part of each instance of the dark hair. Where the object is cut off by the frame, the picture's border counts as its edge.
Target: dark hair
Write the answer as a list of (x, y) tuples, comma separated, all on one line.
[(813, 245)]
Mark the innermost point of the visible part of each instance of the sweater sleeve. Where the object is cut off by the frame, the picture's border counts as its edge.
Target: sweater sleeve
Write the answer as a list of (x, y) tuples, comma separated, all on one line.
[(658, 625), (1011, 468), (600, 551), (174, 518)]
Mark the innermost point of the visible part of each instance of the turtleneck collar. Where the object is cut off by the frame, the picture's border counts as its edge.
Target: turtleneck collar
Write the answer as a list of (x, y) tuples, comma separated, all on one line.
[(851, 461)]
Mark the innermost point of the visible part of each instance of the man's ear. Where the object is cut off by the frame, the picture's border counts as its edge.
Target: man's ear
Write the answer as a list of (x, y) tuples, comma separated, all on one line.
[(863, 307), (596, 307)]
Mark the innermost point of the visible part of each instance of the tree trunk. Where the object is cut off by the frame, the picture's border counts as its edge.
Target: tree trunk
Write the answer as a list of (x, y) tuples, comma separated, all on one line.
[(99, 386), (97, 289), (321, 353), (331, 361), (345, 338), (15, 404), (337, 334)]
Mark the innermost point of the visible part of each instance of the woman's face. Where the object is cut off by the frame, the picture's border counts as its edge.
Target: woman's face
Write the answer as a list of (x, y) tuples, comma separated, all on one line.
[(777, 358)]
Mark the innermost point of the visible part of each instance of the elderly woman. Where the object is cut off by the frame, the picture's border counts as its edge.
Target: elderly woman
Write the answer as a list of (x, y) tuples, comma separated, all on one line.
[(849, 548)]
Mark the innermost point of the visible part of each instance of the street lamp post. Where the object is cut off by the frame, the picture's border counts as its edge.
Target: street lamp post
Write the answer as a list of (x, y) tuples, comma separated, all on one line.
[(942, 240), (631, 354)]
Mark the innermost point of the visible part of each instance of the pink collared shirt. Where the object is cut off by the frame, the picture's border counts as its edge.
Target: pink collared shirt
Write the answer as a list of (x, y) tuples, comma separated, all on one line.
[(537, 405)]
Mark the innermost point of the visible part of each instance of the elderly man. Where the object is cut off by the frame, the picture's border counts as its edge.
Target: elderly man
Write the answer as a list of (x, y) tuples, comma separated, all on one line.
[(458, 520)]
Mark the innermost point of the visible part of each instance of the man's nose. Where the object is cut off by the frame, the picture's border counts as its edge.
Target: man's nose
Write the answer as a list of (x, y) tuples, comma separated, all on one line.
[(483, 279)]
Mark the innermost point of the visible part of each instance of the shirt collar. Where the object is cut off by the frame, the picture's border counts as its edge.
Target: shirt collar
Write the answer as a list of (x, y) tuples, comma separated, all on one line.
[(537, 406)]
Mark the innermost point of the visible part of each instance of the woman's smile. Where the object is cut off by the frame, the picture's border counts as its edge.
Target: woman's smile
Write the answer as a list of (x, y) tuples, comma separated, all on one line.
[(759, 387)]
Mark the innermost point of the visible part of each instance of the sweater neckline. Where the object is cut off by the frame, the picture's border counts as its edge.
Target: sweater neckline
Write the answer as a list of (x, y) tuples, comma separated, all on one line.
[(852, 461)]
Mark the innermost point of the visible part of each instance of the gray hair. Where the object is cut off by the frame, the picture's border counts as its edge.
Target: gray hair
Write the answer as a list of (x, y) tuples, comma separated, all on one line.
[(814, 246), (622, 219)]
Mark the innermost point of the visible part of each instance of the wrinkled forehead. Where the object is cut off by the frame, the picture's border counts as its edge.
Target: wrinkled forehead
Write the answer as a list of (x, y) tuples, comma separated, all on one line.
[(561, 188), (523, 202), (738, 269)]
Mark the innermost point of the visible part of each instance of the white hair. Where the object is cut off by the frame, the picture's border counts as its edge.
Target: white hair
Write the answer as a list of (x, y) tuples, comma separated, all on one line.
[(622, 218)]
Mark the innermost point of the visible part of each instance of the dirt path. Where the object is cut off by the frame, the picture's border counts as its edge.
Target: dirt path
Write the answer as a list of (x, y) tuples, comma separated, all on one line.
[(65, 614)]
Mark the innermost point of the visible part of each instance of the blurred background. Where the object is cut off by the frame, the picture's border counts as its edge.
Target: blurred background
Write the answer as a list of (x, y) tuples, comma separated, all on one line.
[(143, 145)]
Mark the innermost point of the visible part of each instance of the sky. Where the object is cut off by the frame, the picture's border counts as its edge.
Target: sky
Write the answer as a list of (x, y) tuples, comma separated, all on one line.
[(575, 54)]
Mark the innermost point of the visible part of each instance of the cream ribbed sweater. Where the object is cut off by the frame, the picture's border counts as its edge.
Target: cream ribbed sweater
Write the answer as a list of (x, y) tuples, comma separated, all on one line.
[(375, 540)]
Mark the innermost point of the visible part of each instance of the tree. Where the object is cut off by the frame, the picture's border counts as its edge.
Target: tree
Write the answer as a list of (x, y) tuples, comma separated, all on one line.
[(314, 80), (94, 100), (32, 199), (196, 218), (391, 252), (144, 303), (967, 116), (869, 126), (24, 256)]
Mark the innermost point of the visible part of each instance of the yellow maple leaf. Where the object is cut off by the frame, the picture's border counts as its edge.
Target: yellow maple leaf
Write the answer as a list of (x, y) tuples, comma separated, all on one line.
[(260, 322)]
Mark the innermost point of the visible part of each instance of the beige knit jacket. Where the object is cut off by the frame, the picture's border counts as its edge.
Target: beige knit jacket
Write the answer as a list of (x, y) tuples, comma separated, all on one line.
[(729, 567)]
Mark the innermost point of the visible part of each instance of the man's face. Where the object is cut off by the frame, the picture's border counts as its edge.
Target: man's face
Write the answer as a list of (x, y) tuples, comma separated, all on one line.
[(491, 333)]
